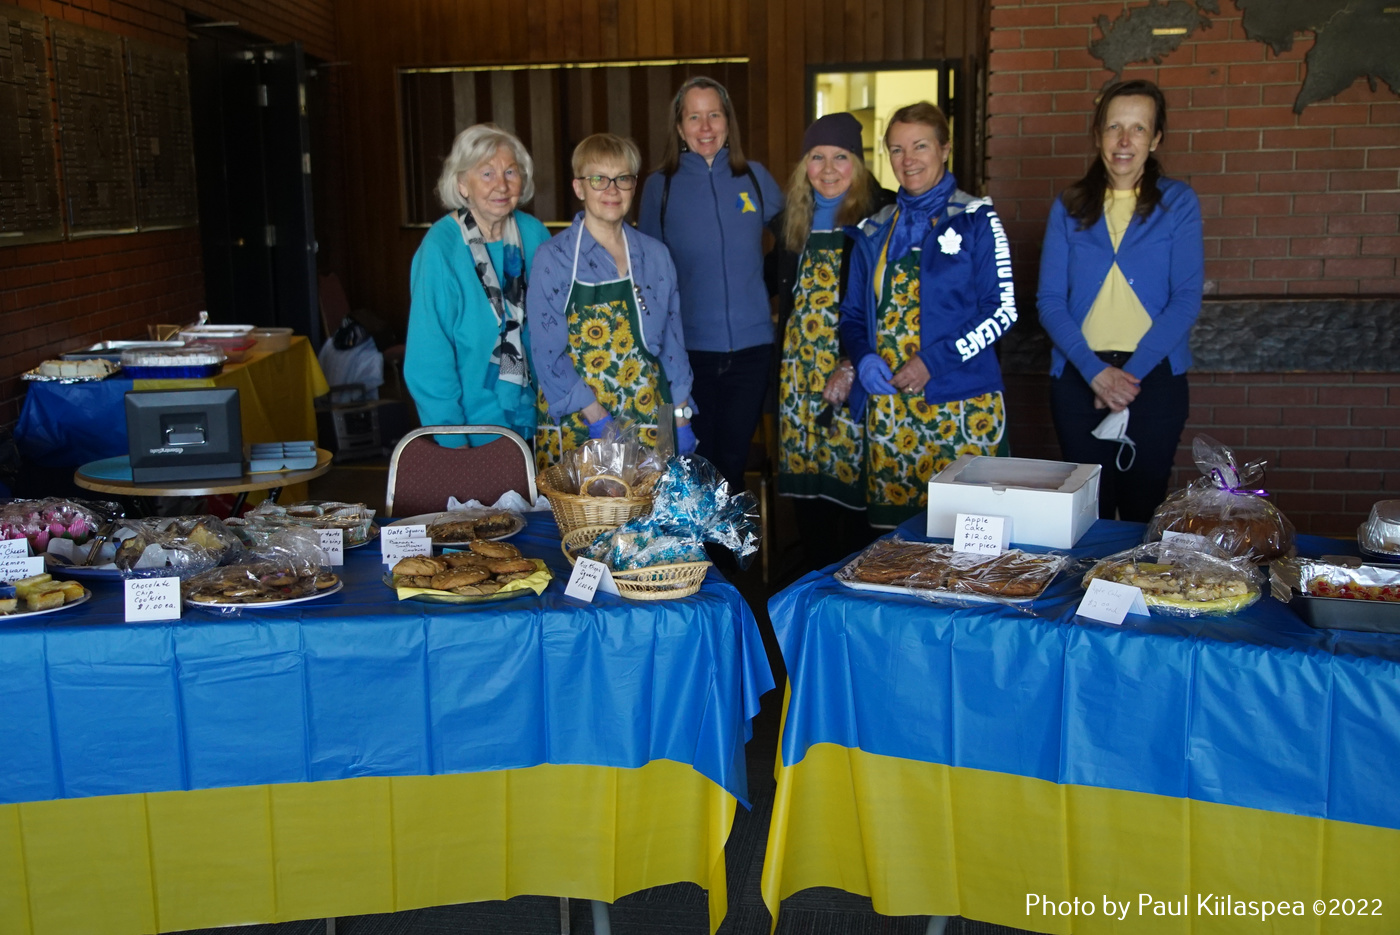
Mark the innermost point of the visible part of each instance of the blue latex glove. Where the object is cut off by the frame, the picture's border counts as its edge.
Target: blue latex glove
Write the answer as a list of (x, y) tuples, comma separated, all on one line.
[(596, 429), (685, 438), (875, 376)]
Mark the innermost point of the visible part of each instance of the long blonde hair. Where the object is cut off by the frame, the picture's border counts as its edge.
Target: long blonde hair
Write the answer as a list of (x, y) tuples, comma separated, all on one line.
[(799, 203)]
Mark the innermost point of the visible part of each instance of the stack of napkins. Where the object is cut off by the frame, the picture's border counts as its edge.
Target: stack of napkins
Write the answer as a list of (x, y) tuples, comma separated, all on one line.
[(281, 456)]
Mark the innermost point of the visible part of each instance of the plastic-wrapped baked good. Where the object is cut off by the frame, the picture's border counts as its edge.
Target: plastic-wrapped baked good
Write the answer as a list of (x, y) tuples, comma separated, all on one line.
[(615, 465), (183, 545), (936, 567), (1183, 579), (258, 582), (354, 518), (1226, 506), (1381, 531), (41, 521), (692, 505)]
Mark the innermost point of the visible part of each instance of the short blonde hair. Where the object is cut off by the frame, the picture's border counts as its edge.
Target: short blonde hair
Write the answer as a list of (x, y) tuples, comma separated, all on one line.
[(607, 147), (471, 148)]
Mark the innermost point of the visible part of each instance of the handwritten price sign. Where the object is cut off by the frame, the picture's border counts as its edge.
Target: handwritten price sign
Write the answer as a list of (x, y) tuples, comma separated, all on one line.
[(588, 578), (975, 532), (152, 599)]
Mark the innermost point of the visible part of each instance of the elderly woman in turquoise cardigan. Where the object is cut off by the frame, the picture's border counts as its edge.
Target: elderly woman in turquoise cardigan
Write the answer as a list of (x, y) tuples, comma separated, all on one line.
[(467, 360)]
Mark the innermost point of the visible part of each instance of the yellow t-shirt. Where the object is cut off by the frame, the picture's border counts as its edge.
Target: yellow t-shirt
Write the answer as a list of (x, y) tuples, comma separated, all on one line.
[(1116, 321)]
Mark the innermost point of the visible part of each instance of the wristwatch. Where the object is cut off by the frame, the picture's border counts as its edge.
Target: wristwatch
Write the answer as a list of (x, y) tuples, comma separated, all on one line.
[(684, 412)]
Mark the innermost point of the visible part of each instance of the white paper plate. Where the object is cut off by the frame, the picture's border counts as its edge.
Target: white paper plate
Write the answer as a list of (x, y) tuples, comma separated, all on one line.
[(427, 519), (19, 614), (264, 605)]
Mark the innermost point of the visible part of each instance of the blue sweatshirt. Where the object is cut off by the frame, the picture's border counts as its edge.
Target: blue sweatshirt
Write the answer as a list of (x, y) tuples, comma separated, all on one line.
[(1163, 259), (966, 298), (714, 230)]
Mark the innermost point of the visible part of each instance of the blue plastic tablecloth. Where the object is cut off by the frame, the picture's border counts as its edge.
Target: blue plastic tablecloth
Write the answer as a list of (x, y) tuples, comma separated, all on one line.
[(1256, 709), (360, 684), (62, 425)]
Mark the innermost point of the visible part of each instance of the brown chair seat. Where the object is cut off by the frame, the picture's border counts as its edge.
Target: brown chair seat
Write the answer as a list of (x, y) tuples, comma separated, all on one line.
[(423, 474)]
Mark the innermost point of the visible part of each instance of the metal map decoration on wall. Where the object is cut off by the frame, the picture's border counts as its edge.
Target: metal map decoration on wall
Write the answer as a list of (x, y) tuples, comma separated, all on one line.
[(162, 143), (94, 136), (1354, 38), (29, 208)]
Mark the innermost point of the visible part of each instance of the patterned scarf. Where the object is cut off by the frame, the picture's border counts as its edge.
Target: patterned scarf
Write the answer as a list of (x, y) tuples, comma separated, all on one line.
[(916, 212), (507, 301)]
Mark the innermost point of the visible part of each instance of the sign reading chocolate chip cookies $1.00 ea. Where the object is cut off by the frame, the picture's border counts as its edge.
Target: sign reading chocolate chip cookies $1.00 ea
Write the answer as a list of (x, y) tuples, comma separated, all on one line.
[(151, 599)]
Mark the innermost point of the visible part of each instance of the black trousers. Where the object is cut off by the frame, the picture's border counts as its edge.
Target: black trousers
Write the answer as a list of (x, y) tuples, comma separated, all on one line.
[(728, 392), (1155, 422)]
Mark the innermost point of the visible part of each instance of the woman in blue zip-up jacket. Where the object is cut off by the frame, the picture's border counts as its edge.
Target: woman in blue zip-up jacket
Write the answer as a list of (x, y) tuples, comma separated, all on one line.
[(709, 205), (1121, 273), (929, 293)]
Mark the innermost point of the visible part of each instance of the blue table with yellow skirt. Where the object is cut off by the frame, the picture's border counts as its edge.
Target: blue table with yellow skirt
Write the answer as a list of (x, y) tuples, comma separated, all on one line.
[(357, 754), (1000, 763), (64, 425)]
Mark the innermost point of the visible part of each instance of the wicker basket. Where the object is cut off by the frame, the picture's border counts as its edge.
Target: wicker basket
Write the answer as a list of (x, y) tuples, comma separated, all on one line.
[(657, 583), (572, 511)]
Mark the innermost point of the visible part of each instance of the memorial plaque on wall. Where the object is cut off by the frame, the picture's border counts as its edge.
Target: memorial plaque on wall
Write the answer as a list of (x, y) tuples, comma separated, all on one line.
[(94, 134), (162, 148), (29, 206)]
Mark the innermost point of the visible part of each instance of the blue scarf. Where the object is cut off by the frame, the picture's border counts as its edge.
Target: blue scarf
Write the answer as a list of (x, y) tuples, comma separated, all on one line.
[(824, 213), (916, 214)]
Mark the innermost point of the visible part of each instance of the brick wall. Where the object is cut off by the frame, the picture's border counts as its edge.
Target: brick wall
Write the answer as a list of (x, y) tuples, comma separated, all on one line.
[(55, 296), (1292, 205)]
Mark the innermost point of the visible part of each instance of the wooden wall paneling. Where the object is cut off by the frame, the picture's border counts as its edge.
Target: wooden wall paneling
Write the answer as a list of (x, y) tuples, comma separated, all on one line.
[(893, 14), (464, 98), (608, 16), (550, 184), (914, 46), (664, 18), (660, 90), (619, 95), (646, 26)]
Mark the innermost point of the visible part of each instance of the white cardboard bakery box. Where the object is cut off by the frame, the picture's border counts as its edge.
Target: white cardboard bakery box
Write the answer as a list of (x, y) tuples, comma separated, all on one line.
[(1046, 503)]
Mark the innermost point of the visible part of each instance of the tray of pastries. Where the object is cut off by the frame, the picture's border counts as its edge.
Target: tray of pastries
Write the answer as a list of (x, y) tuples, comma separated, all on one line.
[(484, 571), (1342, 593), (934, 569), (40, 594), (463, 526)]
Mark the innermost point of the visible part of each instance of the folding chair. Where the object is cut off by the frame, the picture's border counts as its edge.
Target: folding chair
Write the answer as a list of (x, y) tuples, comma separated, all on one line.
[(423, 474)]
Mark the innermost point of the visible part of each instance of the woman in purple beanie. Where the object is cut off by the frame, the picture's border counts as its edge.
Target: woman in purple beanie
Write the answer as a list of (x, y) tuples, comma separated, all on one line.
[(821, 448)]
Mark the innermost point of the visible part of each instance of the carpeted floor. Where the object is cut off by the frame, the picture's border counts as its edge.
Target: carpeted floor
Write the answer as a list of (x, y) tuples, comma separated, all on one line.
[(680, 909)]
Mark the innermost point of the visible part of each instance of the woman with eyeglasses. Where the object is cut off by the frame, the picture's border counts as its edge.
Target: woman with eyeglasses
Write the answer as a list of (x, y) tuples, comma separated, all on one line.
[(709, 205), (605, 325), (467, 355)]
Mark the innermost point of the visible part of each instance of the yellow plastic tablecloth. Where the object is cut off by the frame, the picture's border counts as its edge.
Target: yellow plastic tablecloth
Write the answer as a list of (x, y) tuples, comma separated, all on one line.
[(170, 861)]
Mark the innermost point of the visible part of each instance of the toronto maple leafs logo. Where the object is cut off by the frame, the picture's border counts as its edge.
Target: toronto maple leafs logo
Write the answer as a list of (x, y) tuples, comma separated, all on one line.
[(950, 241)]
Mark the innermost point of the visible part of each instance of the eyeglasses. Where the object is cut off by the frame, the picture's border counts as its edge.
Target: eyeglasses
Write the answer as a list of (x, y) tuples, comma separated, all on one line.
[(600, 183)]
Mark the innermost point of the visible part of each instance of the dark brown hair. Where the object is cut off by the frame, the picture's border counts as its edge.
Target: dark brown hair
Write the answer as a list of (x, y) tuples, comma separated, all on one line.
[(1084, 199), (671, 159)]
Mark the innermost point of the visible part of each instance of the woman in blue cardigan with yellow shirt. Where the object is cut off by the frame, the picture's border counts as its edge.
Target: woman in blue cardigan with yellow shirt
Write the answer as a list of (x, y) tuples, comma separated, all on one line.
[(1121, 274)]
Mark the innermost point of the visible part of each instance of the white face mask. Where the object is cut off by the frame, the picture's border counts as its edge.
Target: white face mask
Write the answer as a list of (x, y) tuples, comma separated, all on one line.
[(1114, 428)]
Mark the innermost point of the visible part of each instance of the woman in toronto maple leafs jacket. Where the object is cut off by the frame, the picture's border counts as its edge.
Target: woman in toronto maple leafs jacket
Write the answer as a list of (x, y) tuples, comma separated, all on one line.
[(930, 292)]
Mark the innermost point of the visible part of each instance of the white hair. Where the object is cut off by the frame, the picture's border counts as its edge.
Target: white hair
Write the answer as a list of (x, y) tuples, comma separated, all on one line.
[(471, 148)]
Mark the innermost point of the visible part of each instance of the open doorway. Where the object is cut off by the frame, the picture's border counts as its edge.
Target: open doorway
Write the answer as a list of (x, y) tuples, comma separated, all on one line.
[(248, 103)]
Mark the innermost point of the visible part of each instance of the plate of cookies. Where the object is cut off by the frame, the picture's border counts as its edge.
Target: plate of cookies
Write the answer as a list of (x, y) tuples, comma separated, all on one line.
[(458, 527), (484, 571), (258, 585)]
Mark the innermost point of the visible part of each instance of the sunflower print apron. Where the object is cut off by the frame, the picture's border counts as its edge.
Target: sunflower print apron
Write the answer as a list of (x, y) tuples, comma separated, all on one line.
[(909, 439), (817, 460), (609, 352)]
